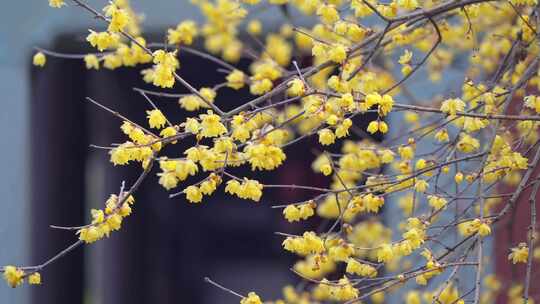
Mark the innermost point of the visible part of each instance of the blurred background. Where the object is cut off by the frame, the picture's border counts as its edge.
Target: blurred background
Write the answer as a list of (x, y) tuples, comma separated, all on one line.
[(50, 176)]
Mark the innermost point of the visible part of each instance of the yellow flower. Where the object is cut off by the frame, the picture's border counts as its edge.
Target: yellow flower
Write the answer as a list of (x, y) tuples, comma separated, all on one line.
[(377, 298), (291, 213), (254, 27), (346, 101), (452, 106), (406, 69), (413, 297), (307, 210), (235, 79), (165, 65), (185, 168), (56, 3), (120, 155), (377, 125), (124, 210), (127, 128), (532, 102), (373, 127), (421, 185), (98, 216), (252, 298), (340, 27), (406, 57), (467, 143), (114, 221), (13, 276), (355, 32), (373, 203), (102, 40), (332, 120), (342, 130), (442, 136), (89, 235), (343, 291), (326, 169), (248, 189), (208, 94), (119, 18), (471, 124), (259, 87), (361, 269), (156, 119), (34, 278), (209, 186), (296, 87), (484, 229), (168, 132), (337, 53), (263, 156), (341, 252), (193, 194), (458, 178), (39, 59), (211, 125), (309, 243), (326, 137), (190, 102), (415, 237), (112, 61), (406, 152), (183, 33), (420, 164), (386, 104), (91, 61), (328, 13), (387, 156), (385, 253), (383, 127), (168, 180), (519, 254), (408, 4), (372, 99), (436, 202), (163, 76)]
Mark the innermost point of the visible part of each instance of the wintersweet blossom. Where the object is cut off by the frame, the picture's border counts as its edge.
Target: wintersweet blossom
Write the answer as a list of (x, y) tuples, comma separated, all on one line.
[(331, 88)]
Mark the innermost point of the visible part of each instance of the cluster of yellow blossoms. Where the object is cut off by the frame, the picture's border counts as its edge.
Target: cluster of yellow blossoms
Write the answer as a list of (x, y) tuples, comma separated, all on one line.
[(252, 298), (141, 148), (475, 226), (295, 213), (309, 243), (474, 136), (107, 220), (163, 73), (247, 189), (519, 254), (174, 171), (343, 290), (194, 194), (15, 276)]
